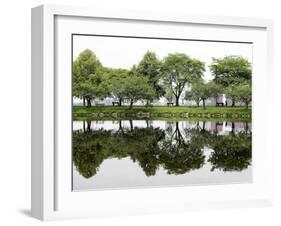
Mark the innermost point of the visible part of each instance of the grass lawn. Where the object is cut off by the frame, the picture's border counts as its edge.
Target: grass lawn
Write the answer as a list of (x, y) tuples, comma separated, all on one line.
[(163, 111)]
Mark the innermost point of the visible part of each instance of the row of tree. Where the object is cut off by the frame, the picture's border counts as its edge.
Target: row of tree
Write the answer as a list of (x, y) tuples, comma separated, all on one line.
[(153, 78)]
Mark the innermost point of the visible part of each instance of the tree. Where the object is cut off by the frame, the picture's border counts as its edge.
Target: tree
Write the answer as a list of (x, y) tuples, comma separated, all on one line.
[(231, 70), (195, 93), (115, 79), (169, 94), (136, 88), (244, 93), (202, 91), (230, 92), (87, 77), (178, 70), (150, 67)]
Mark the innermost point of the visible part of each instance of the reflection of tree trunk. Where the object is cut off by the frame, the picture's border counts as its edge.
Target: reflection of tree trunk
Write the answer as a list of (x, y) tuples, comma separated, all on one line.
[(147, 125), (84, 127), (120, 126), (89, 126), (232, 127), (178, 136), (246, 127), (204, 125), (131, 125)]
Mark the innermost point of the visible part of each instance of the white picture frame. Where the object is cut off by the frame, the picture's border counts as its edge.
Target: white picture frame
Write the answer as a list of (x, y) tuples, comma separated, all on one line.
[(52, 197)]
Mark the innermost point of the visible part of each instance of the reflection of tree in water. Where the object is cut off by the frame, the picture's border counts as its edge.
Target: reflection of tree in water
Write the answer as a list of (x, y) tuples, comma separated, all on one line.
[(176, 151), (91, 148), (150, 147), (232, 152), (178, 154)]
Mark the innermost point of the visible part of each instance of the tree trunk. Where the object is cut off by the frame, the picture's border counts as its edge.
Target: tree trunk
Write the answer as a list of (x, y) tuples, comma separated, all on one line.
[(177, 100), (131, 103), (84, 102), (197, 104), (147, 103), (233, 103), (216, 100), (204, 104), (120, 101), (89, 104)]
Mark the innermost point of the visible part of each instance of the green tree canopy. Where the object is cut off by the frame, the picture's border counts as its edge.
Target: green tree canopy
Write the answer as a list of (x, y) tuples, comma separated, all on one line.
[(244, 93), (231, 70), (87, 77), (136, 88), (150, 67), (116, 79), (201, 91), (178, 70)]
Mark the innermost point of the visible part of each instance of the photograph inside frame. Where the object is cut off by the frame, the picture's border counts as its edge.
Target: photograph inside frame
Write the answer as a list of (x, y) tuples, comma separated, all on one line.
[(156, 112)]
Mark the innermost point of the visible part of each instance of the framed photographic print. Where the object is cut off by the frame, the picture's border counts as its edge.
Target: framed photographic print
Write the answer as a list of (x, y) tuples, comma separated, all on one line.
[(137, 112)]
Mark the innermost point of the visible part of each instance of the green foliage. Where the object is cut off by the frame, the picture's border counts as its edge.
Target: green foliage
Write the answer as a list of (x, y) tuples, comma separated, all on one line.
[(150, 67), (181, 156), (151, 79), (231, 70), (240, 92), (136, 88), (115, 79), (232, 152), (202, 91), (88, 78), (195, 93), (176, 151), (244, 93), (169, 94), (178, 70), (231, 93)]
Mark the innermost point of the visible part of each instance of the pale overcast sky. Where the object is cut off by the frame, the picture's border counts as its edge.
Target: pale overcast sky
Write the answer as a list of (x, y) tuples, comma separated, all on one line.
[(125, 52)]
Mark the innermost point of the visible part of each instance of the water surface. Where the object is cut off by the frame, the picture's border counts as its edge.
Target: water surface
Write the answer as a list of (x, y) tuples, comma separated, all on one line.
[(151, 153)]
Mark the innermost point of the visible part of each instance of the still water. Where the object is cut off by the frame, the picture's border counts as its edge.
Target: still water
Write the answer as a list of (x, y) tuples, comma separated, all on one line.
[(151, 153)]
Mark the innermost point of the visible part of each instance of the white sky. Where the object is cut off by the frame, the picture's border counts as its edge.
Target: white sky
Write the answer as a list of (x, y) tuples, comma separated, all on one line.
[(125, 52)]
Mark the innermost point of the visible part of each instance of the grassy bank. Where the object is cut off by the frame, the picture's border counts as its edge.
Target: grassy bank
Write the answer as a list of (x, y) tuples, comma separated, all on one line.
[(162, 112)]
